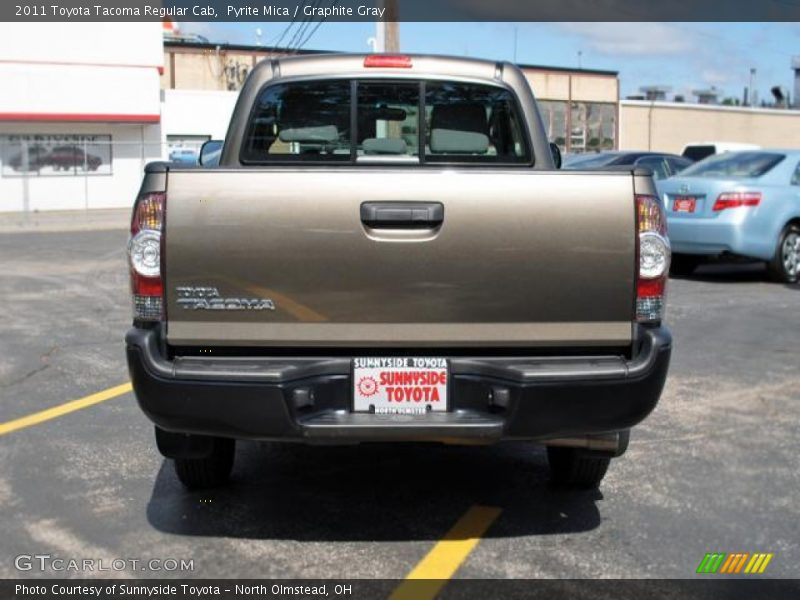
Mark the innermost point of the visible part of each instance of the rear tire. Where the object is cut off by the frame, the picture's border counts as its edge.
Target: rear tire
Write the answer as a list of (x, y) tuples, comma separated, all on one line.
[(684, 265), (785, 265), (210, 471), (576, 468)]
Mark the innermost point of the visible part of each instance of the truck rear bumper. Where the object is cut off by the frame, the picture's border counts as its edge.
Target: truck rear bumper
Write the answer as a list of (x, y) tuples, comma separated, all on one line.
[(307, 399)]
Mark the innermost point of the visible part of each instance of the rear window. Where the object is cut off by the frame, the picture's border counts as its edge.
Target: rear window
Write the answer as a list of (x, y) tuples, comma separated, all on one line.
[(735, 164), (696, 153), (346, 122)]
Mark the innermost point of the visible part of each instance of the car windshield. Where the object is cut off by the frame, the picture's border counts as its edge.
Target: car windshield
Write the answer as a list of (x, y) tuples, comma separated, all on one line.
[(735, 164), (588, 161)]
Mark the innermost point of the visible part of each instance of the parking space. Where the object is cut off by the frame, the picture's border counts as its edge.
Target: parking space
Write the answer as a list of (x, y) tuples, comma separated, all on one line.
[(713, 469)]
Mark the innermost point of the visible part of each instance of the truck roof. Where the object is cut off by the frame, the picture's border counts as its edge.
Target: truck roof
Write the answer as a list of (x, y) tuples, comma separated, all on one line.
[(418, 65)]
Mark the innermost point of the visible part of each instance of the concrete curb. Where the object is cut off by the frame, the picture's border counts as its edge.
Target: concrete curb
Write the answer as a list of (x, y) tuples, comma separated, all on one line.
[(66, 220)]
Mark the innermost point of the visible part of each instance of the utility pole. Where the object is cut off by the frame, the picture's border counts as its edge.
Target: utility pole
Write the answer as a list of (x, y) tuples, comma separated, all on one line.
[(387, 33)]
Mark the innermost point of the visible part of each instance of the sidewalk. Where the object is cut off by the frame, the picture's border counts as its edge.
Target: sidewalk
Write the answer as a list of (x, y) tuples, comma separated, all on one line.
[(65, 220)]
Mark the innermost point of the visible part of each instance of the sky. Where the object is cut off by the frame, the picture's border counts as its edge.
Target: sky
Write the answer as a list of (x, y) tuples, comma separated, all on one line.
[(683, 56)]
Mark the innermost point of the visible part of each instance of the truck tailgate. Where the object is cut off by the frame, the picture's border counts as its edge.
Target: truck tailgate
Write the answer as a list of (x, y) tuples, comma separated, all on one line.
[(521, 258)]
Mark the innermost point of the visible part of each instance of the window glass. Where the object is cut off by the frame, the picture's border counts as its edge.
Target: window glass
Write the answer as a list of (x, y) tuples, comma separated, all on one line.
[(27, 155), (592, 127), (796, 175), (472, 123), (699, 152), (300, 122), (676, 165), (311, 121), (657, 164), (735, 164), (554, 116), (388, 119), (590, 161)]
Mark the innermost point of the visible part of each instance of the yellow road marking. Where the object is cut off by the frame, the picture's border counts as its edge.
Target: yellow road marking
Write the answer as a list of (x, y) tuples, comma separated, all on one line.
[(64, 409), (446, 556)]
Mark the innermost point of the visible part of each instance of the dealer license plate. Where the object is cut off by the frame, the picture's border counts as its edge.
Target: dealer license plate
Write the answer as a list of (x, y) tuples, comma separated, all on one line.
[(685, 204), (400, 385)]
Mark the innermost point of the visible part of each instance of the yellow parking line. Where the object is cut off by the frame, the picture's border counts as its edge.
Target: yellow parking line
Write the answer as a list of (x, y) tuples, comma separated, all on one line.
[(63, 409), (446, 556)]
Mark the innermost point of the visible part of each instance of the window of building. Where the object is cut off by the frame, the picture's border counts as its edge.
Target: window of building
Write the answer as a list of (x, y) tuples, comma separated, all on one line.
[(592, 127), (47, 155)]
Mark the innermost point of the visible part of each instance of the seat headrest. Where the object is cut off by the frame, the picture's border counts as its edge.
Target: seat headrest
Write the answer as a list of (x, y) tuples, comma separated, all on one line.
[(459, 129)]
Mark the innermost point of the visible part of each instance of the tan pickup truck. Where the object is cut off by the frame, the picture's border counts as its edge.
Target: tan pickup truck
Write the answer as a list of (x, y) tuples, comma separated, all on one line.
[(385, 251)]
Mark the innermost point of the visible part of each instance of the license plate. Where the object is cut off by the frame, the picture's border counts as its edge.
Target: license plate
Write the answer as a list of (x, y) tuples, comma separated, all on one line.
[(684, 204), (400, 385)]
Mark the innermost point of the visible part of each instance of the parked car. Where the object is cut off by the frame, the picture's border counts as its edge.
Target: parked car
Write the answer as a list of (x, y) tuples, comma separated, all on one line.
[(67, 158), (663, 165), (183, 155), (339, 280), (38, 157), (697, 151), (739, 203)]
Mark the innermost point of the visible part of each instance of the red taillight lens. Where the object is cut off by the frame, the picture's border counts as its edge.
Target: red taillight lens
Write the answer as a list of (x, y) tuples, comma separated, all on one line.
[(737, 199), (145, 254), (388, 61), (653, 254)]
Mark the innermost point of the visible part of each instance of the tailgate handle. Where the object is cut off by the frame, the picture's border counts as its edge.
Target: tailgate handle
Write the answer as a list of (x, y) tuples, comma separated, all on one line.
[(402, 215)]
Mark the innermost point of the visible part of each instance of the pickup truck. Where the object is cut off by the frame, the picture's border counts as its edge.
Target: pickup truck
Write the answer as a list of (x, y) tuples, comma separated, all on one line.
[(385, 251)]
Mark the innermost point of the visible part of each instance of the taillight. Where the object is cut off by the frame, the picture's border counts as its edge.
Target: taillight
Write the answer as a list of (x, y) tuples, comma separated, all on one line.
[(654, 255), (737, 199), (145, 251), (388, 61)]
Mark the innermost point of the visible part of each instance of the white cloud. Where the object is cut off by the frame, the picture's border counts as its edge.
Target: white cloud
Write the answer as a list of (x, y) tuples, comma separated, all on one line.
[(632, 39), (717, 77)]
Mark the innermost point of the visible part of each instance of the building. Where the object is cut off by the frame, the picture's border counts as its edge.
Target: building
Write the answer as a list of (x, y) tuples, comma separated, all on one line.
[(669, 126), (80, 113), (580, 107)]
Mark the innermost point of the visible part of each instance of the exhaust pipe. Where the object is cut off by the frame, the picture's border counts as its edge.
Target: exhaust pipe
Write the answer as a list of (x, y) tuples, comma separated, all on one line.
[(612, 444)]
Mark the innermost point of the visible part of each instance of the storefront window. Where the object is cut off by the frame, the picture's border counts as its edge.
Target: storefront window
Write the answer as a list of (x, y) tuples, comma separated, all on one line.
[(58, 154), (592, 127), (554, 115)]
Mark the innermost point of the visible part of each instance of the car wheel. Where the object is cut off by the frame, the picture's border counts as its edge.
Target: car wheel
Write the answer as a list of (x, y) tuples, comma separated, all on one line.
[(785, 265), (210, 471), (683, 265), (576, 468)]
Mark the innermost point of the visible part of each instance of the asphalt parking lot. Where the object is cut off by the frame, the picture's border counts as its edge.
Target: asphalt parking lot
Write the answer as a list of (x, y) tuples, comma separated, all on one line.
[(714, 468)]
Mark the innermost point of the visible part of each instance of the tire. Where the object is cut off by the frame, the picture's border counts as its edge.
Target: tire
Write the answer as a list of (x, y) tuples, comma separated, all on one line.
[(576, 468), (683, 265), (211, 471), (785, 265)]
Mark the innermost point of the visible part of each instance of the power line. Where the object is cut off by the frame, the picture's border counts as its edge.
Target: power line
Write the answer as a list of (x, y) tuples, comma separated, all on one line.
[(298, 35), (313, 31), (277, 44)]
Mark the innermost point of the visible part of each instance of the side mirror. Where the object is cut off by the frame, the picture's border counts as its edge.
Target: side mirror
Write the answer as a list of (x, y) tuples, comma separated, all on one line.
[(210, 152), (555, 151)]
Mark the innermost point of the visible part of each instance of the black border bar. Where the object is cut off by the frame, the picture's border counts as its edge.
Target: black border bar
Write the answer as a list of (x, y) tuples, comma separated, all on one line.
[(398, 10)]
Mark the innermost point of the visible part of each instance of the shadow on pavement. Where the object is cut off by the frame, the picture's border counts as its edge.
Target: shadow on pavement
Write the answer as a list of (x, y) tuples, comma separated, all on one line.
[(721, 272), (372, 493)]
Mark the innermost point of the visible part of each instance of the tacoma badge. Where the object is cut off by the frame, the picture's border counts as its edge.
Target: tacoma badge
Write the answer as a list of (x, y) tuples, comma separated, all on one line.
[(208, 298)]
